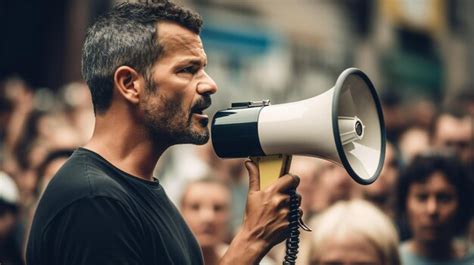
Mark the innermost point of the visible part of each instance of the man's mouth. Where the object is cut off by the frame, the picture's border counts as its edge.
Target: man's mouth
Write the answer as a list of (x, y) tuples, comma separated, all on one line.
[(197, 111), (201, 105)]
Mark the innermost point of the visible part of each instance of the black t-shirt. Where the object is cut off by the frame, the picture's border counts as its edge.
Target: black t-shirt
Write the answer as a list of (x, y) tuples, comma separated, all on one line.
[(94, 213)]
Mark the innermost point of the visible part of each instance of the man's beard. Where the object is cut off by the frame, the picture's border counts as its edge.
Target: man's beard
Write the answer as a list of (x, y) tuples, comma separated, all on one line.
[(168, 122)]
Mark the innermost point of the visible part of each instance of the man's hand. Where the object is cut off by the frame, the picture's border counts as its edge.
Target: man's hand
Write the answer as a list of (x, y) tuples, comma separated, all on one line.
[(265, 221)]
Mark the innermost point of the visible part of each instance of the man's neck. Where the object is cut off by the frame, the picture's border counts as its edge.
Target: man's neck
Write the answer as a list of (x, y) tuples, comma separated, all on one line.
[(129, 148)]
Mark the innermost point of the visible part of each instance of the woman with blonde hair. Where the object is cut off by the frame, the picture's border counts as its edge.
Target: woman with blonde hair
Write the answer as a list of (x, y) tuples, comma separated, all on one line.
[(354, 232)]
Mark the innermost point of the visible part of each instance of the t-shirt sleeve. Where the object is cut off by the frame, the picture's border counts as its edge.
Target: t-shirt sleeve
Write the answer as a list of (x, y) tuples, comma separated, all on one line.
[(97, 230)]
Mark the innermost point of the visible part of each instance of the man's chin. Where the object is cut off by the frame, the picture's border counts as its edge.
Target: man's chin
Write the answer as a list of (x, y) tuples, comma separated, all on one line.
[(199, 135), (197, 140), (201, 139), (196, 137)]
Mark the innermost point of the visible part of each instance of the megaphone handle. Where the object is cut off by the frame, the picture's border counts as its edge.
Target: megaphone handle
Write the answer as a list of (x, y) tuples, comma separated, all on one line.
[(272, 167)]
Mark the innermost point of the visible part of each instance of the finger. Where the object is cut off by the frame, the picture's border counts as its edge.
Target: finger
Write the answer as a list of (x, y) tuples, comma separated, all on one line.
[(254, 176), (287, 182), (281, 200)]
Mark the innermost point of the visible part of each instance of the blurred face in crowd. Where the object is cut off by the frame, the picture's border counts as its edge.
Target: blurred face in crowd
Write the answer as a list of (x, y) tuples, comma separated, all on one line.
[(348, 250), (338, 185), (455, 133), (432, 208), (179, 89), (206, 209), (413, 142)]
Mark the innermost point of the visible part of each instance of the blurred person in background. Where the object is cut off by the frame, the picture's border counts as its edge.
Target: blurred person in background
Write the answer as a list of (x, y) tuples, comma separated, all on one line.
[(232, 173), (334, 185), (453, 129), (78, 109), (435, 199), (205, 207), (393, 114), (312, 201), (413, 141), (325, 184), (201, 162), (29, 152), (44, 131), (463, 99), (421, 112), (353, 232), (20, 98), (6, 109), (382, 192), (309, 170), (10, 250)]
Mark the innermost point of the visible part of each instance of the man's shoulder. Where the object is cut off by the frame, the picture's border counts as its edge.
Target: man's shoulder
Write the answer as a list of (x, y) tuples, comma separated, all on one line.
[(82, 176)]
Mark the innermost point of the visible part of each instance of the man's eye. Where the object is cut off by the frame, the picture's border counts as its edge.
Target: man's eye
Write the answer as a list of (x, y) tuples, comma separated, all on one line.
[(444, 197), (188, 70), (421, 197)]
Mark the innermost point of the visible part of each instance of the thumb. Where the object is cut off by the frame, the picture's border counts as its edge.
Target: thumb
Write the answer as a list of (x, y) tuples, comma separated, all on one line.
[(254, 176)]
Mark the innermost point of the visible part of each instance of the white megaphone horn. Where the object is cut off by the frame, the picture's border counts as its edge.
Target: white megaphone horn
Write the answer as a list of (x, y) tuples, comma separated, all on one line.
[(343, 125)]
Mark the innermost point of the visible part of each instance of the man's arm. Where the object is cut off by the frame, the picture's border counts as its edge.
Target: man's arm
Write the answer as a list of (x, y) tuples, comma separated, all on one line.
[(265, 222)]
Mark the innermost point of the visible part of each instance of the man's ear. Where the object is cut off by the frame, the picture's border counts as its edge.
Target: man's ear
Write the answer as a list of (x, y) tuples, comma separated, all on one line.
[(129, 83)]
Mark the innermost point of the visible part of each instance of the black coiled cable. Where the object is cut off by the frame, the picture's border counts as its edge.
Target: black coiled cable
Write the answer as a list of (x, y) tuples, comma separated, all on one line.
[(293, 240)]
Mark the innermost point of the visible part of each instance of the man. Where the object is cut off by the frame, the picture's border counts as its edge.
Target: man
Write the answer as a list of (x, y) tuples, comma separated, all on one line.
[(453, 129), (144, 64), (205, 206)]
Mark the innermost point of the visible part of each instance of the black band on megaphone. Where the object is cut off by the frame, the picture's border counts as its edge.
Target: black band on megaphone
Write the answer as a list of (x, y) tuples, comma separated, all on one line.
[(235, 133)]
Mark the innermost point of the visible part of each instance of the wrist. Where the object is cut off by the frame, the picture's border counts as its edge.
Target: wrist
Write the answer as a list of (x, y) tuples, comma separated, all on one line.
[(245, 249)]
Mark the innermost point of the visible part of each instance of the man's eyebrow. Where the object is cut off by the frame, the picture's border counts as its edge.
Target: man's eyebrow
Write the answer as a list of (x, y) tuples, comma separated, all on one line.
[(200, 62)]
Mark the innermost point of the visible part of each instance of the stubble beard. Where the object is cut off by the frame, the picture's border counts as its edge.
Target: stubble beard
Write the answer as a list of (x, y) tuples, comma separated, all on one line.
[(168, 122)]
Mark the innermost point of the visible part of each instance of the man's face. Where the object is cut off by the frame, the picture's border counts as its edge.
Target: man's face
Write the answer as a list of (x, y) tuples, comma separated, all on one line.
[(180, 89), (432, 208), (206, 209), (337, 183), (455, 133)]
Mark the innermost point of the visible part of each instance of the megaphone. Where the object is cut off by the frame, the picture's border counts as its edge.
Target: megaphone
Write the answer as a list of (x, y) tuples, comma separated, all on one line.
[(343, 125)]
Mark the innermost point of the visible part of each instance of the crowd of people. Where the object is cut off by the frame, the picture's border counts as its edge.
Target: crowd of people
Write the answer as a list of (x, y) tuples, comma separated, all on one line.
[(418, 212)]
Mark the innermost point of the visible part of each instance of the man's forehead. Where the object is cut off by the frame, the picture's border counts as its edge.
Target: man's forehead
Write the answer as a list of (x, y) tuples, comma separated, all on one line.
[(177, 39)]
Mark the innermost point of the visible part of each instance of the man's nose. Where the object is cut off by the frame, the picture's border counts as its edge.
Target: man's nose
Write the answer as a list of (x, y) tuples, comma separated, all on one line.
[(207, 214), (432, 206), (206, 85)]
